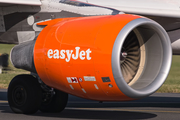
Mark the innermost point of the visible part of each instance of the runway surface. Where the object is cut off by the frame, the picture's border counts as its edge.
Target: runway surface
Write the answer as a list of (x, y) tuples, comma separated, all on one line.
[(159, 106)]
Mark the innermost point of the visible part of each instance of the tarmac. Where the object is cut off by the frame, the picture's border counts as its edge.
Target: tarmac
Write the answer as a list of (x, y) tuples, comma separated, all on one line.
[(159, 106)]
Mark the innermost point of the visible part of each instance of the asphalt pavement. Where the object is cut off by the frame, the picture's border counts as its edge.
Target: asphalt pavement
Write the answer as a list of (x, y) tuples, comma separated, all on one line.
[(159, 106)]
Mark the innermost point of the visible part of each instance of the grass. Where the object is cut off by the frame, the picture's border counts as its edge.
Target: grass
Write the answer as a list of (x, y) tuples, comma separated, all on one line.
[(10, 71), (171, 85)]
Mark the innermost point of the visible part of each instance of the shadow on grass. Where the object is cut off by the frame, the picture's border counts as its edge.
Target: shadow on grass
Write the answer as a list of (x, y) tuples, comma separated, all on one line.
[(7, 69)]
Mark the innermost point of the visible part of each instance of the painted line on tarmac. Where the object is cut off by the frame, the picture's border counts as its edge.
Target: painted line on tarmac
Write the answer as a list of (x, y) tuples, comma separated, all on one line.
[(129, 110), (3, 101)]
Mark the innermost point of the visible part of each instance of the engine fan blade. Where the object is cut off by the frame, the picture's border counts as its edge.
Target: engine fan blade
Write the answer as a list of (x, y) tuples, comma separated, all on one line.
[(130, 57)]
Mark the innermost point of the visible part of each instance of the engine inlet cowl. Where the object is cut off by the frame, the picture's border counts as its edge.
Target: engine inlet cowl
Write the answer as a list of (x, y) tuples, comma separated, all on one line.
[(148, 59), (105, 58)]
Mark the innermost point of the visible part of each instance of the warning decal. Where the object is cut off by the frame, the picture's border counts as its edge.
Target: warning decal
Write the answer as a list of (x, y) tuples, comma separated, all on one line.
[(89, 78), (72, 79)]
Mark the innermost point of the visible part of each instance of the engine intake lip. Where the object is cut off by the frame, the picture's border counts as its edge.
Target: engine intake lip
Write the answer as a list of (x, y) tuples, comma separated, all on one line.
[(164, 68)]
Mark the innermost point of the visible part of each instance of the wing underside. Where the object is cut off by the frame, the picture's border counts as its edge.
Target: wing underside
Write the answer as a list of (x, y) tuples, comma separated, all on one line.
[(161, 8), (21, 2)]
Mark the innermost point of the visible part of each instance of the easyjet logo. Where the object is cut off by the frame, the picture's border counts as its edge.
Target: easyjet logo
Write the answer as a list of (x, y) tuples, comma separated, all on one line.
[(69, 54)]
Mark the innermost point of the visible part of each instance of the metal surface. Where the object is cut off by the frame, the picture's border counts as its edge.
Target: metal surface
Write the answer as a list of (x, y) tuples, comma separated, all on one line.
[(158, 58), (21, 56), (130, 57), (23, 2), (167, 8)]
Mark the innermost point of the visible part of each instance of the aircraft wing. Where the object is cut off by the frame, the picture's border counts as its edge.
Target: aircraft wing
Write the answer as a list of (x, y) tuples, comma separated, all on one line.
[(22, 2), (165, 8)]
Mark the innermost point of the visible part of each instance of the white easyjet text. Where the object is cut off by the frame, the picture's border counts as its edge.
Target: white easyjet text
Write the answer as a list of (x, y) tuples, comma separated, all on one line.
[(68, 54)]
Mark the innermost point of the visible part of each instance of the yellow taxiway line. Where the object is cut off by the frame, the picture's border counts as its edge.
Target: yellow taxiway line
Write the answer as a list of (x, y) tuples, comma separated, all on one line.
[(3, 101)]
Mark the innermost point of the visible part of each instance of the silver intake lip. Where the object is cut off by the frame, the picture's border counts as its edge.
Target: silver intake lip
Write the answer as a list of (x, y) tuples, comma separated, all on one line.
[(155, 63)]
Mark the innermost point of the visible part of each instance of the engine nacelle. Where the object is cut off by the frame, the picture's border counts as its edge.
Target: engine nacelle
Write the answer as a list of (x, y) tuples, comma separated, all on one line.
[(105, 58)]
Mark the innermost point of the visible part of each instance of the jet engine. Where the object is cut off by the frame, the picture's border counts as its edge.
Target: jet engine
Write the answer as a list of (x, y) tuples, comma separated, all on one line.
[(105, 58)]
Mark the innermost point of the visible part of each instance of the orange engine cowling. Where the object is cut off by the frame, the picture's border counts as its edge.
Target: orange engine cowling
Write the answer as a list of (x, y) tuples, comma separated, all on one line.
[(105, 58)]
